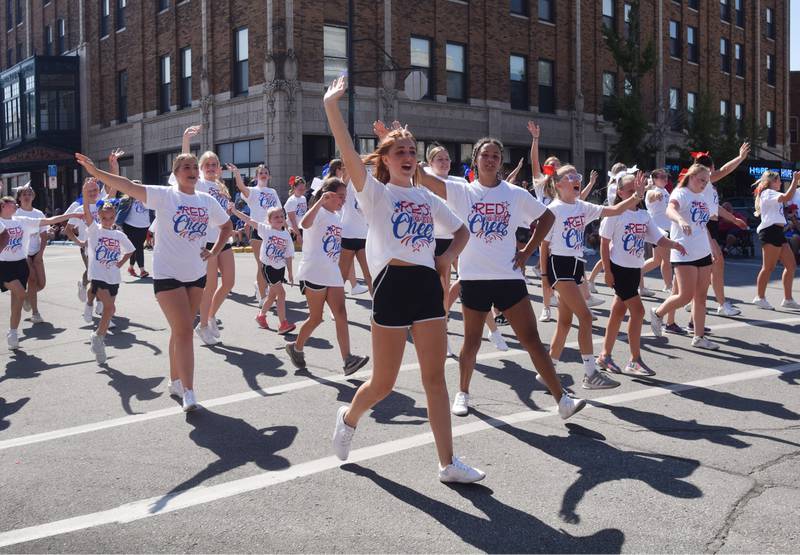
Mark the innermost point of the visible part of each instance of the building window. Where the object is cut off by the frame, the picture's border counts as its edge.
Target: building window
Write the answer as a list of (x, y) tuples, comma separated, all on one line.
[(121, 5), (62, 36), (162, 5), (245, 155), (11, 112), (165, 80), (770, 21), (675, 122), (57, 110), (771, 134), (739, 9), (738, 114), (9, 15), (725, 55), (185, 100), (19, 11), (546, 12), (518, 72), (626, 17), (456, 72), (421, 59), (122, 96), (692, 4), (241, 66), (608, 14), (335, 51), (547, 90), (48, 40), (691, 43), (674, 39), (519, 7), (609, 92), (793, 129), (770, 69), (29, 103), (105, 16), (725, 10), (691, 102), (723, 109), (738, 54)]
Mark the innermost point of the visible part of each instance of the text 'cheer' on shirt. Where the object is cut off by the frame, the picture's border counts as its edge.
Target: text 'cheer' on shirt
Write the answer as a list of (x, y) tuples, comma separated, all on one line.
[(695, 209), (567, 234), (492, 216), (771, 209), (106, 248), (297, 206), (402, 223), (76, 208), (628, 233), (35, 240), (656, 200), (354, 224), (276, 246), (181, 228), (261, 199), (322, 245), (20, 229), (214, 189)]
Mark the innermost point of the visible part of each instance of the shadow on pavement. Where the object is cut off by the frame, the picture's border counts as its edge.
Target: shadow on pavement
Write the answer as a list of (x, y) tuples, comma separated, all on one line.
[(7, 409), (128, 387), (22, 366), (505, 529), (521, 380), (42, 331), (251, 363)]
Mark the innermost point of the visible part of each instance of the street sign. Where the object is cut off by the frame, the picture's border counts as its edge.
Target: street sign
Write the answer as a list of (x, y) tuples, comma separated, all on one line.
[(416, 85), (52, 170), (52, 182)]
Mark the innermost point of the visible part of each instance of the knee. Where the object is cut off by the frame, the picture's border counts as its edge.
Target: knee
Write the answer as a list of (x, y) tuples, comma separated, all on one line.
[(434, 382), (314, 319), (380, 390), (637, 312), (584, 317), (182, 334)]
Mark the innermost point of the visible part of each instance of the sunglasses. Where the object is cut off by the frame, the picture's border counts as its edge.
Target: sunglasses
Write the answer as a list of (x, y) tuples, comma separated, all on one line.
[(573, 177)]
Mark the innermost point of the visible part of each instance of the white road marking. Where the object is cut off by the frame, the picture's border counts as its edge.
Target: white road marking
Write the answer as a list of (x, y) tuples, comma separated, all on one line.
[(293, 386), (199, 495)]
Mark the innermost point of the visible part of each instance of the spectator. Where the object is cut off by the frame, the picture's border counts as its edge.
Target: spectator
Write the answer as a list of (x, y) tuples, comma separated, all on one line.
[(729, 236)]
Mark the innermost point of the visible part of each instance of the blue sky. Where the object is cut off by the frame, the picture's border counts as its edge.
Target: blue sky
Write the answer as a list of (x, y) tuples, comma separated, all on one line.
[(794, 54)]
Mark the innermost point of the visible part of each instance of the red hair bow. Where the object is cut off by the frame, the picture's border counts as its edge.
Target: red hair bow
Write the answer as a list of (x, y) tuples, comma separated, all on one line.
[(697, 155), (549, 169), (292, 180), (683, 173)]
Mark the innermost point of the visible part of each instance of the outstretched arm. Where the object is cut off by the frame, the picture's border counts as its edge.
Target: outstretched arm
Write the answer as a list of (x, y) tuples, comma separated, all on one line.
[(237, 177), (589, 186), (535, 132), (186, 141), (244, 217), (352, 161), (128, 187), (512, 177), (731, 165)]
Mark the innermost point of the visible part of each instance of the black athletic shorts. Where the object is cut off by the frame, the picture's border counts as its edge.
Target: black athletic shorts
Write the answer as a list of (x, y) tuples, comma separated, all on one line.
[(404, 295), (354, 244), (227, 246), (16, 270), (441, 246), (523, 234), (312, 286), (254, 236), (168, 284), (626, 281), (273, 276), (713, 228), (112, 288), (772, 235), (482, 294), (564, 268), (699, 263)]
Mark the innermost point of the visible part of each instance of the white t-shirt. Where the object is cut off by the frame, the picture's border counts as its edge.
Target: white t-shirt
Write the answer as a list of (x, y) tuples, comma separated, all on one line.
[(35, 242), (538, 189), (181, 229), (695, 209), (261, 199), (713, 200), (439, 232), (296, 205), (771, 209), (354, 224), (20, 229), (106, 248), (402, 223), (212, 188), (76, 208), (322, 244), (492, 216), (276, 246), (657, 207), (628, 233), (138, 215), (566, 235)]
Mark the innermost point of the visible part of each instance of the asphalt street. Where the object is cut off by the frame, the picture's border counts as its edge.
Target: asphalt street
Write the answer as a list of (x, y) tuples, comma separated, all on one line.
[(703, 457)]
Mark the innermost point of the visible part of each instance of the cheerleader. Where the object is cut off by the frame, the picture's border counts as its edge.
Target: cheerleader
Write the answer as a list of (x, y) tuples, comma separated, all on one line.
[(656, 201), (354, 234), (774, 247), (565, 268), (37, 278), (622, 244), (296, 207), (77, 231)]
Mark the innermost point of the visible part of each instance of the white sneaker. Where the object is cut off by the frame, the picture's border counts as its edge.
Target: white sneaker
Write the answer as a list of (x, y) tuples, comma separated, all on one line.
[(175, 388), (359, 289), (205, 335), (214, 328), (87, 313), (111, 324), (460, 404), (667, 289), (554, 301), (496, 338), (26, 305), (790, 304), (189, 402), (98, 347), (13, 339), (81, 292), (598, 380), (546, 316), (703, 343), (98, 308), (450, 352), (568, 406), (36, 318), (727, 309), (592, 287), (342, 435), (594, 301), (645, 292), (460, 472), (763, 303), (656, 324)]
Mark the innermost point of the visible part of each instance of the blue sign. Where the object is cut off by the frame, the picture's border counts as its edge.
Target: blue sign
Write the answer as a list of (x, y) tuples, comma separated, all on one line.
[(756, 171), (52, 170)]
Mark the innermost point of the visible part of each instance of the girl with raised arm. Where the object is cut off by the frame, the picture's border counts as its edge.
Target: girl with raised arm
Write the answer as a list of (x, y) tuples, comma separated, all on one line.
[(183, 219)]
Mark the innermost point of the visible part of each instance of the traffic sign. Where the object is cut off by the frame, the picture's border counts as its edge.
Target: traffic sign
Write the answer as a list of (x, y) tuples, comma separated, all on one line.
[(52, 182), (52, 170), (416, 85)]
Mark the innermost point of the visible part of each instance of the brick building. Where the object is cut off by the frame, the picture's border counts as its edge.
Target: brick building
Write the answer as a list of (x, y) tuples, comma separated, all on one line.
[(253, 74)]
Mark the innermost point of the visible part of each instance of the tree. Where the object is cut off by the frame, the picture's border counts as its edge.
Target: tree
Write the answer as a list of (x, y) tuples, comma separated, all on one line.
[(626, 113)]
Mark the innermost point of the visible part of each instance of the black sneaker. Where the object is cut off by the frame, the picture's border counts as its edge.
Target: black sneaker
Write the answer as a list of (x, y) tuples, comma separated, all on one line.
[(675, 329), (500, 320), (297, 357), (354, 363), (706, 331)]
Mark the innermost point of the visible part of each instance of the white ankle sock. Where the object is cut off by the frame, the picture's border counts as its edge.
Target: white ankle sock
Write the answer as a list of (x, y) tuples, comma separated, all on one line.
[(589, 367)]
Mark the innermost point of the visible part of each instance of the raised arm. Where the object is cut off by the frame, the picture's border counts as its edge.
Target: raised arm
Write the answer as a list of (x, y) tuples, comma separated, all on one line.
[(434, 184), (311, 215), (43, 222), (186, 141), (629, 202), (789, 194), (128, 187), (535, 132), (113, 167), (512, 177), (725, 215), (244, 217), (589, 186), (237, 178), (731, 165), (352, 161)]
